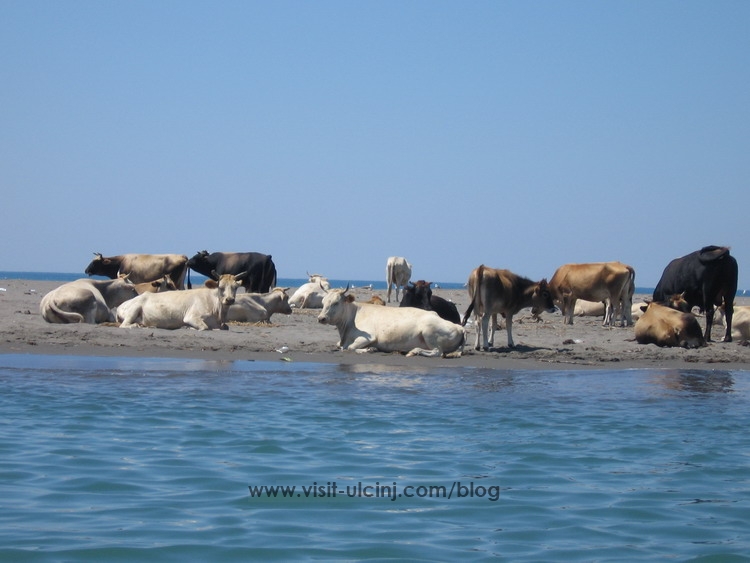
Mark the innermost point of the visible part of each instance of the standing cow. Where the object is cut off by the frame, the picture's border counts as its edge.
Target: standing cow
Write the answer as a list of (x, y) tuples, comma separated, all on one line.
[(706, 277), (140, 268), (260, 269), (501, 291), (397, 273), (609, 282)]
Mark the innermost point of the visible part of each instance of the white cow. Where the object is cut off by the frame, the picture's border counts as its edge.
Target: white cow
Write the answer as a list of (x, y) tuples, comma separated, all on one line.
[(258, 307), (740, 321), (585, 308), (398, 273), (85, 301), (368, 328), (204, 308), (310, 295)]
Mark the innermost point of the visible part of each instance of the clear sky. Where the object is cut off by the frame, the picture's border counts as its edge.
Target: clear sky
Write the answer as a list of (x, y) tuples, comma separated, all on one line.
[(333, 134)]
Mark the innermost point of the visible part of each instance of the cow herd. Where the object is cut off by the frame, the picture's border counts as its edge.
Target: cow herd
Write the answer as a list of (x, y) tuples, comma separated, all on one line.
[(148, 290)]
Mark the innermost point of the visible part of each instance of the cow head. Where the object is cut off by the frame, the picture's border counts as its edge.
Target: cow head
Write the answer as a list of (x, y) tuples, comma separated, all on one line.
[(199, 261), (318, 279), (101, 266), (678, 302), (334, 305), (417, 295), (226, 286), (541, 299)]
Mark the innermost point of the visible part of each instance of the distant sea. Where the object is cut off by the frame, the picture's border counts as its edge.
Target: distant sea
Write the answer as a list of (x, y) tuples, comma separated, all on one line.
[(197, 279)]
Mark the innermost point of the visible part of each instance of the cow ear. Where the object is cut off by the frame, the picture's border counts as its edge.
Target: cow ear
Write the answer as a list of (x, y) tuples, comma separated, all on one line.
[(350, 298), (211, 284)]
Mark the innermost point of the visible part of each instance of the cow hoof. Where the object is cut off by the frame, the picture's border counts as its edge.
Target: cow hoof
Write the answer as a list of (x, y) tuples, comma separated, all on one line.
[(224, 327)]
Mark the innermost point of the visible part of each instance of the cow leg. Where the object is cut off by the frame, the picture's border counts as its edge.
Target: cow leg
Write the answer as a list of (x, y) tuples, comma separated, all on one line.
[(509, 329), (422, 352), (569, 305), (478, 326), (388, 293), (361, 344), (729, 313), (485, 331), (609, 311), (195, 322)]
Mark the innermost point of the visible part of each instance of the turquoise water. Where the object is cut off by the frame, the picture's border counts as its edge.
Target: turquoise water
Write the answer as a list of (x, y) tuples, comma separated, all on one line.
[(108, 459)]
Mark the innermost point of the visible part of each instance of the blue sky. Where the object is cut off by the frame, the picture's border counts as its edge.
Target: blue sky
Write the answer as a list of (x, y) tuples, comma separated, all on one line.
[(522, 135)]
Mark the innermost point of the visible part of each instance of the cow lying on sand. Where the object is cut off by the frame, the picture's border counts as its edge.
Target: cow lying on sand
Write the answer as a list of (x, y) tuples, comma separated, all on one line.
[(368, 328), (259, 307), (664, 326), (420, 295), (85, 301), (203, 308), (740, 321)]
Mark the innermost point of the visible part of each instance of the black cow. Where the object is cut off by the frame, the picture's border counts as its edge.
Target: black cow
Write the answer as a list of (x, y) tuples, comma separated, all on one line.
[(261, 271), (706, 277), (420, 295)]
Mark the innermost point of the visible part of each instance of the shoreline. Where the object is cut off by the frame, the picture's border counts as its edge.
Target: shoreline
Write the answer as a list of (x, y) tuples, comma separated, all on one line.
[(545, 345)]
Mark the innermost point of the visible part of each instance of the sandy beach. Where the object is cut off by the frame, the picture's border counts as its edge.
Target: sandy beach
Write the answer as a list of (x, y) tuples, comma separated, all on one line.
[(539, 345)]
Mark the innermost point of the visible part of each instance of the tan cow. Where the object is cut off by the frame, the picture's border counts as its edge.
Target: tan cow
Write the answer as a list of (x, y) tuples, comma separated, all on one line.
[(85, 301), (140, 267), (204, 308), (740, 321), (368, 328), (376, 300), (259, 307), (664, 326), (501, 291), (397, 273), (165, 283), (612, 282)]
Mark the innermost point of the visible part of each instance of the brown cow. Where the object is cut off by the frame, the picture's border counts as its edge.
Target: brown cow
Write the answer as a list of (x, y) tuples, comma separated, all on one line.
[(375, 300), (501, 291), (664, 326), (164, 283), (613, 282)]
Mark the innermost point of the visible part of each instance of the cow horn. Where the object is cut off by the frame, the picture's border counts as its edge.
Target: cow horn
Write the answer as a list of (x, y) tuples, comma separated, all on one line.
[(241, 275), (320, 283), (347, 287)]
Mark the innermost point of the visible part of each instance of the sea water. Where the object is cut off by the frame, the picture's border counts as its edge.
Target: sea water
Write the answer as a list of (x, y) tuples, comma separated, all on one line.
[(110, 459)]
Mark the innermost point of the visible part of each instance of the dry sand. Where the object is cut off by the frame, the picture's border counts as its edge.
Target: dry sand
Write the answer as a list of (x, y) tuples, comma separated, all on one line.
[(539, 345)]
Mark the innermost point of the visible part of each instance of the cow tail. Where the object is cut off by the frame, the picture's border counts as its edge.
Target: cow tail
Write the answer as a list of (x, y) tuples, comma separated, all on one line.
[(475, 294)]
